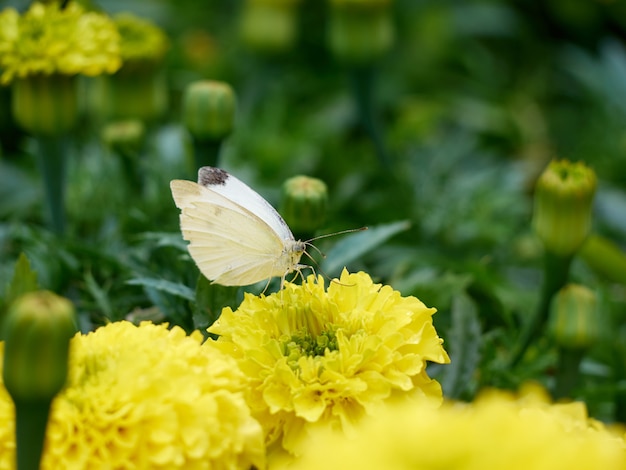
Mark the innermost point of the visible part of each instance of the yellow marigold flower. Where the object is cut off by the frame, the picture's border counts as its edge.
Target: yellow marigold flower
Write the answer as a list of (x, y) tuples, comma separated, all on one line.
[(146, 397), (47, 40), (499, 430), (141, 39), (328, 357)]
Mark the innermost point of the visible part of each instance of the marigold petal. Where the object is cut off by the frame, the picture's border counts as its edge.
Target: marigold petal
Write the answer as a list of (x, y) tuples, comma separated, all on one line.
[(329, 356)]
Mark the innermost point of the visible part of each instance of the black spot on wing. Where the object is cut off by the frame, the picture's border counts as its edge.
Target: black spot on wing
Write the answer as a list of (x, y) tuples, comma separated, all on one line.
[(209, 176)]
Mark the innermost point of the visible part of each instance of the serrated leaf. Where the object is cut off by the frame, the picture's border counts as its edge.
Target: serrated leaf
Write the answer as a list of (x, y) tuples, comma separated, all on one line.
[(99, 295), (464, 339), (162, 285), (357, 244)]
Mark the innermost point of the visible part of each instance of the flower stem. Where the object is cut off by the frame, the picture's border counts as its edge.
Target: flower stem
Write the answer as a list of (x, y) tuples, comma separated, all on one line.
[(133, 174), (556, 272), (568, 371), (51, 155), (620, 406), (363, 79), (31, 418), (206, 152)]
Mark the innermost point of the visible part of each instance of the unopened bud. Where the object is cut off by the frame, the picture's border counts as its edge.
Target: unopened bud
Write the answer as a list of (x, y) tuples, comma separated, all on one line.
[(304, 203), (209, 109), (45, 105), (574, 317), (138, 90), (360, 31), (37, 332), (563, 202), (269, 26)]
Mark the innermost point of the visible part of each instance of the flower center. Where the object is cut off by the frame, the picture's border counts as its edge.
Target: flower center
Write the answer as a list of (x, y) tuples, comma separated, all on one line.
[(303, 343)]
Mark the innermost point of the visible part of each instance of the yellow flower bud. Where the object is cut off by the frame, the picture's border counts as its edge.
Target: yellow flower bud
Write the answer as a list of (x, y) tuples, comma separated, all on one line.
[(37, 332), (45, 104), (209, 109), (574, 317), (360, 31), (563, 202), (304, 203)]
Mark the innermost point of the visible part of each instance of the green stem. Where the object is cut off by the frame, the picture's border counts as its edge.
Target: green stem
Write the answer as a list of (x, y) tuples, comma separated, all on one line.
[(620, 406), (556, 272), (133, 173), (31, 419), (363, 79), (619, 371), (206, 152), (568, 371), (51, 155)]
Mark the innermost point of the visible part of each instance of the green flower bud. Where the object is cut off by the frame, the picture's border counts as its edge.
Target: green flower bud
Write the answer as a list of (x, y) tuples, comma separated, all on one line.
[(360, 31), (37, 332), (304, 203), (209, 109), (45, 105), (574, 317), (124, 137), (138, 90), (563, 201), (131, 93), (269, 26)]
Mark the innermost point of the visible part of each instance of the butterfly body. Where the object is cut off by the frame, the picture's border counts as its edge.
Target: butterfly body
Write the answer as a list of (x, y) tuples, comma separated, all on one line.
[(235, 236)]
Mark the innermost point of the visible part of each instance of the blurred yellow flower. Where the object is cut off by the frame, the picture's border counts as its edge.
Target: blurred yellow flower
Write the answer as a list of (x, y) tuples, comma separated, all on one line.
[(328, 357), (47, 40), (146, 397), (141, 39), (498, 431)]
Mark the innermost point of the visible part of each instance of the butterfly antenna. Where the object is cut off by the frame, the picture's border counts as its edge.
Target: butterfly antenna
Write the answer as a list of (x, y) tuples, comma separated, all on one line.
[(308, 242), (350, 230), (321, 253)]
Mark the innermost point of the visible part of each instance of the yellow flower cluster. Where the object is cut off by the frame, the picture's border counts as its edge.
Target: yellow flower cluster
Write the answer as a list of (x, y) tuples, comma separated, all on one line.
[(328, 357), (141, 39), (47, 40), (498, 431), (145, 397)]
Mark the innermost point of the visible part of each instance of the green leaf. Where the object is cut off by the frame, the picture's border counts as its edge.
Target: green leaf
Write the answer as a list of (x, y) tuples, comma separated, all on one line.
[(165, 239), (464, 339), (24, 280), (99, 295), (357, 244), (175, 288), (210, 300)]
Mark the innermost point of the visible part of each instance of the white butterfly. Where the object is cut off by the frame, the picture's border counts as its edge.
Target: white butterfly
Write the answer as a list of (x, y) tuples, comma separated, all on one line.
[(235, 236)]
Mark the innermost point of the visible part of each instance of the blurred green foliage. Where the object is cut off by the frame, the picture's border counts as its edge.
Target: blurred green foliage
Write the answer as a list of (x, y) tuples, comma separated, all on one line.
[(472, 101)]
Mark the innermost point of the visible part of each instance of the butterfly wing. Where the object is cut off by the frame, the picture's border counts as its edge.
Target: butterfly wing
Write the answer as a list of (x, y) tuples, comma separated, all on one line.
[(230, 244), (227, 185)]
